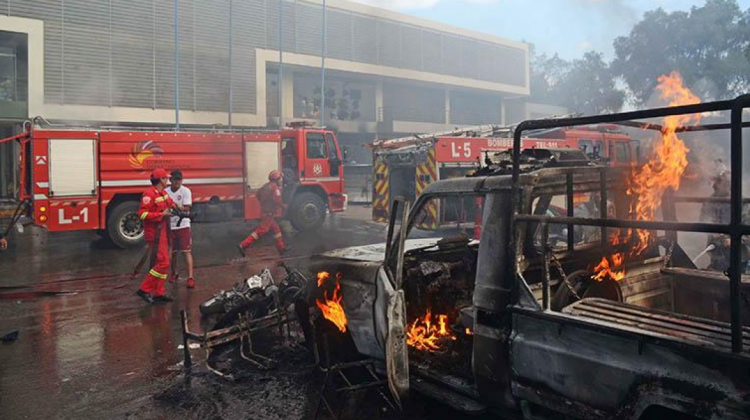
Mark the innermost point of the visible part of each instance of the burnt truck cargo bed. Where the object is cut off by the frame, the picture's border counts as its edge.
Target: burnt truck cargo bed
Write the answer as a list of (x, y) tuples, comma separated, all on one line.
[(661, 324)]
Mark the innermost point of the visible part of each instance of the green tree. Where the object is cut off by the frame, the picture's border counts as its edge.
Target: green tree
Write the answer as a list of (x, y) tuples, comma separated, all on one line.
[(583, 85), (709, 46)]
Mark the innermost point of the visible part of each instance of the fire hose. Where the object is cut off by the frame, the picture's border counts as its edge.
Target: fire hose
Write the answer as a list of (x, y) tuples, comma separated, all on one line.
[(16, 216), (182, 215)]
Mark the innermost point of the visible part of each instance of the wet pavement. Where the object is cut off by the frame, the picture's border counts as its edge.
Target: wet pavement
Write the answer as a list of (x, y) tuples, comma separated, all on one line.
[(88, 348)]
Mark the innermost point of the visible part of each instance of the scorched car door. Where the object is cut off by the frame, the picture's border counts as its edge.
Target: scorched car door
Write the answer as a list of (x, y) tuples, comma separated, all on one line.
[(261, 157), (396, 349)]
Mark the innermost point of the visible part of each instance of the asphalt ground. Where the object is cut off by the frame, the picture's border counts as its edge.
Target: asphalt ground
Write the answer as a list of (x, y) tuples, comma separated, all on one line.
[(88, 348)]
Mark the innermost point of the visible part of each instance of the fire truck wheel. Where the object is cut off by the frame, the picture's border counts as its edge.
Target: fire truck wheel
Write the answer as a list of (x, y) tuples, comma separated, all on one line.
[(124, 227), (308, 211)]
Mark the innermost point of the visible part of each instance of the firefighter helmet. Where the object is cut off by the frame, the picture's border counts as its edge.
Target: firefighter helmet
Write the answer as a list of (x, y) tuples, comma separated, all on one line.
[(159, 173), (274, 175)]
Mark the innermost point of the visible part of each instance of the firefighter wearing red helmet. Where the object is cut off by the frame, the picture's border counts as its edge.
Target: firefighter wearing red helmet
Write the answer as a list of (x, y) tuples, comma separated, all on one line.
[(155, 215), (271, 206)]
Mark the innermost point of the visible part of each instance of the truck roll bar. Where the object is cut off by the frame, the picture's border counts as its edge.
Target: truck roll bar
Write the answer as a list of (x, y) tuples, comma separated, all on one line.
[(735, 228)]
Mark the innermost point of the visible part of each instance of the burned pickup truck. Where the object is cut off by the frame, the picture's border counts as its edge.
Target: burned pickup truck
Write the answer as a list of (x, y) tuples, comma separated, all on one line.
[(557, 290)]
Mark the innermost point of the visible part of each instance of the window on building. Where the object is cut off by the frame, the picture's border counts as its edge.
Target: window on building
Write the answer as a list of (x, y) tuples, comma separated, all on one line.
[(13, 74), (272, 93), (316, 146), (345, 100)]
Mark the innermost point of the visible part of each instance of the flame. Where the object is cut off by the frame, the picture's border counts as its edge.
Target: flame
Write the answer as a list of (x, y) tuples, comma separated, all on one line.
[(331, 308), (423, 334), (668, 162), (323, 276), (606, 270), (664, 170)]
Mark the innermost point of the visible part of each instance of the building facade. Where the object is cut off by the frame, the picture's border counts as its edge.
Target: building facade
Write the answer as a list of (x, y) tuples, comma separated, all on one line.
[(115, 62)]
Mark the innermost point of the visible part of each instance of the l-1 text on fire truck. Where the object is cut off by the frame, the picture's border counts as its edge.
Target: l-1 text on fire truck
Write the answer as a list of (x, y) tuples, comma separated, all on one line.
[(91, 179)]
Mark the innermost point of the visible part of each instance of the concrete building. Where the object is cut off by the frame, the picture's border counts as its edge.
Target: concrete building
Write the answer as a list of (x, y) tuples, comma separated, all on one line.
[(113, 62)]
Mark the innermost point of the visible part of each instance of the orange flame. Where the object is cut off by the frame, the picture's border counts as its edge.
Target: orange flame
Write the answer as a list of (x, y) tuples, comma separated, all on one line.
[(322, 276), (667, 164), (331, 308), (423, 334), (605, 270), (664, 170)]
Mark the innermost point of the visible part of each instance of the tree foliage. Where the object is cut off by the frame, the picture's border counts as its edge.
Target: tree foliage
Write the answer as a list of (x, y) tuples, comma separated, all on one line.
[(584, 85), (709, 46)]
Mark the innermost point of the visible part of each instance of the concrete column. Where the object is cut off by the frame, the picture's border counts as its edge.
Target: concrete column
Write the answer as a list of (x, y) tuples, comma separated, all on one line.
[(502, 112), (287, 92), (447, 106), (379, 101)]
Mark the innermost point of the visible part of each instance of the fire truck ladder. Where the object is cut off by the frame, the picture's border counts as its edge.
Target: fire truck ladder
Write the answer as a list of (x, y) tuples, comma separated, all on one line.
[(484, 130)]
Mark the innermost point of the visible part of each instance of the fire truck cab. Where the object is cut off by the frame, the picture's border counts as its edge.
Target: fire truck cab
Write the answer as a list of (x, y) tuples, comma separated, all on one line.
[(92, 179)]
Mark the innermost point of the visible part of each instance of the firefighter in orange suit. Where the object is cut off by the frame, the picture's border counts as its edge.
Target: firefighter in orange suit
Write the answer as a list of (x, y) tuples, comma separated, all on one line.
[(271, 206), (155, 214)]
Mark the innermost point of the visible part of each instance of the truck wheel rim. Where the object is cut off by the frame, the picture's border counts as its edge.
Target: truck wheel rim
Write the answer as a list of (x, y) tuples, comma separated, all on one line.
[(309, 213), (131, 226)]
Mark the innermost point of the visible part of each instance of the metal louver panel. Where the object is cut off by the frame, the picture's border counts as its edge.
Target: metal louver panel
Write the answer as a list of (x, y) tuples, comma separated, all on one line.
[(132, 53), (389, 44), (289, 25), (164, 53), (432, 44), (451, 55), (339, 35), (86, 53), (212, 55), (365, 39), (121, 52), (309, 29), (469, 58), (51, 12), (509, 65), (411, 47)]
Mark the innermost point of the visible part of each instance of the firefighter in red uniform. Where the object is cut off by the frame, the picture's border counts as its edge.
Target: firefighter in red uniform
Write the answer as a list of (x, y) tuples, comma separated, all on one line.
[(155, 214), (271, 207)]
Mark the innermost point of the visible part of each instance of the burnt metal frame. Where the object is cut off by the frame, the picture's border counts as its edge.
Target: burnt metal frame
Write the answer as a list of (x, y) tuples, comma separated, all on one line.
[(735, 229), (241, 331)]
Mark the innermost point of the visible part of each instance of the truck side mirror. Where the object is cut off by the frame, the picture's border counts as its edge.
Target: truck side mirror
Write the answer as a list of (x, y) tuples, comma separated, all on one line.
[(345, 153)]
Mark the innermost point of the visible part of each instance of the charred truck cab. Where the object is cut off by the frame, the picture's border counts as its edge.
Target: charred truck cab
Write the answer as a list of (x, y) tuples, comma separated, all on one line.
[(517, 321)]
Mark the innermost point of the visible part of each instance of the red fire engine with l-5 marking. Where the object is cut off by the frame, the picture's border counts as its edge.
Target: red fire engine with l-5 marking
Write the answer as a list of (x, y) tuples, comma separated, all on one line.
[(92, 179), (405, 166)]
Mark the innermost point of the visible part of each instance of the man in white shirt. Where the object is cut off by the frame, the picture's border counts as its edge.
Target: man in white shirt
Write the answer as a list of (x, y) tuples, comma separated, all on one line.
[(181, 238)]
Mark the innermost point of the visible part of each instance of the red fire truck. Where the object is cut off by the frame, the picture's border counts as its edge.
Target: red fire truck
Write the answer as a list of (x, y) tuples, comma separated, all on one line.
[(92, 179), (405, 166)]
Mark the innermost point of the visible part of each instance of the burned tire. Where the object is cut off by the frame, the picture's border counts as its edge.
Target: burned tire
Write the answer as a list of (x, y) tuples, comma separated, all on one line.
[(579, 281), (124, 227), (307, 212), (212, 306)]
